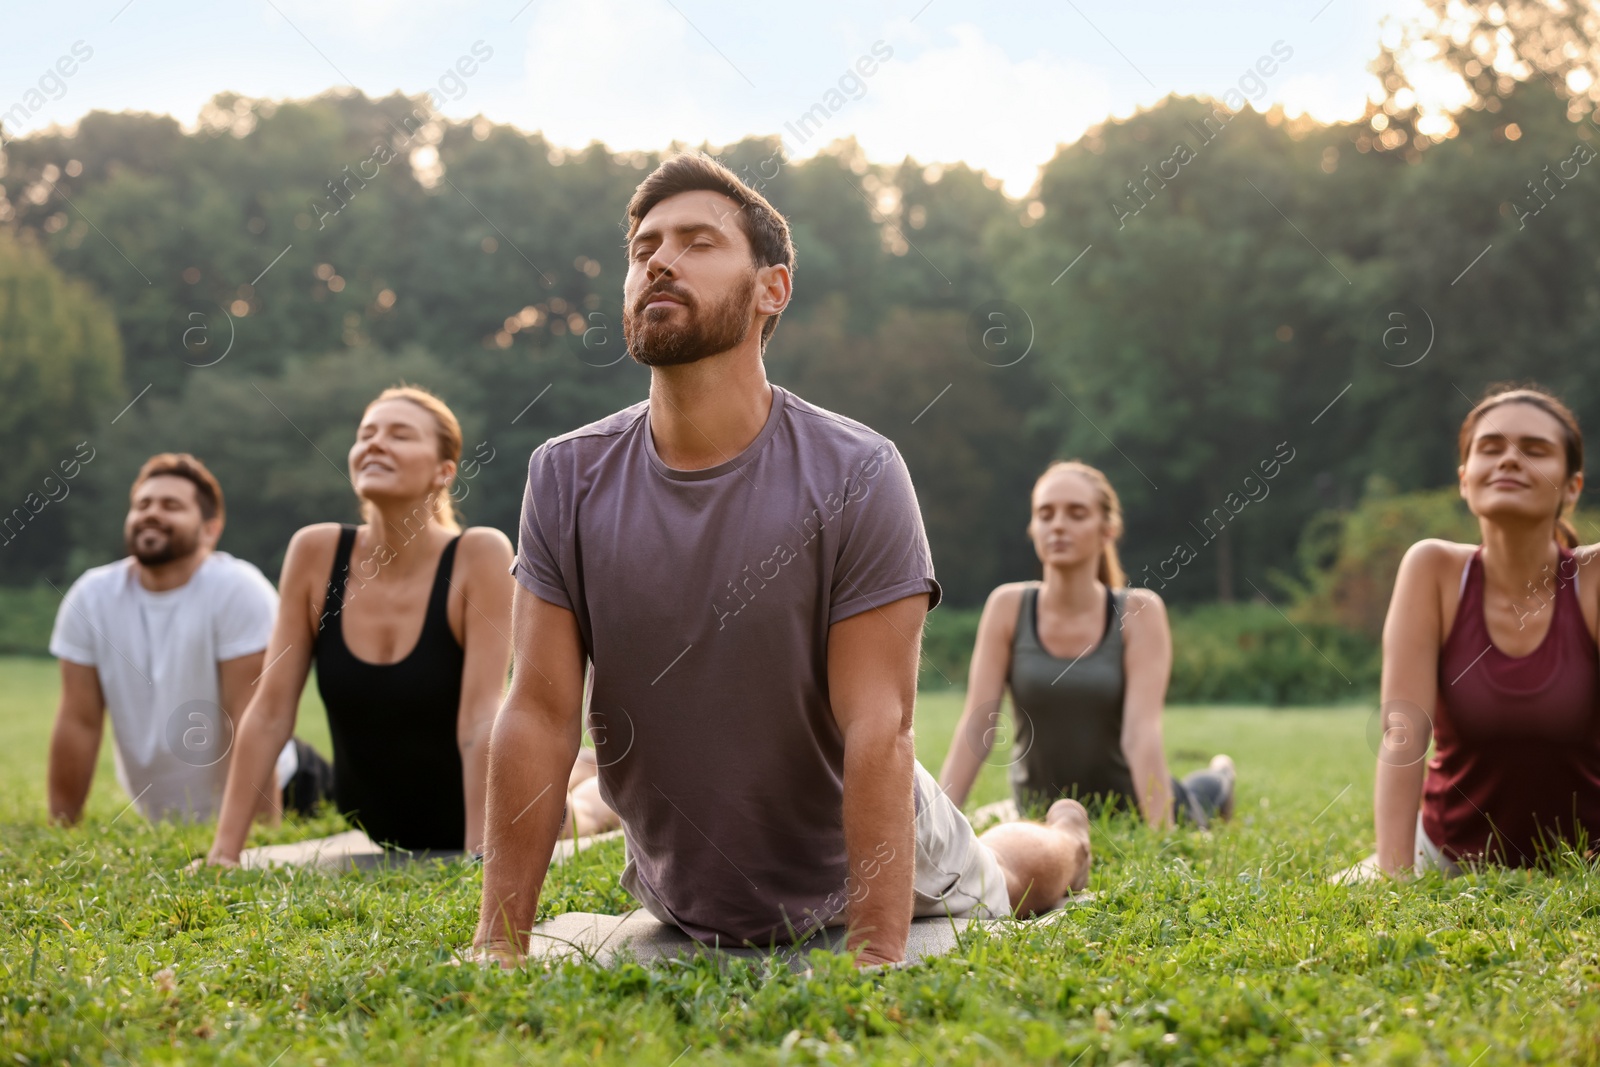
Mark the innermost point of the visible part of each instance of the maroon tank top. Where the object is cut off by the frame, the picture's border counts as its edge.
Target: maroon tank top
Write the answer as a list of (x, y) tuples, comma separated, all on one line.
[(1516, 765)]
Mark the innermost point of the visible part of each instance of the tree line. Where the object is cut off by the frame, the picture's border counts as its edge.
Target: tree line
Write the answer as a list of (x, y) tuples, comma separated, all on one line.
[(1186, 296)]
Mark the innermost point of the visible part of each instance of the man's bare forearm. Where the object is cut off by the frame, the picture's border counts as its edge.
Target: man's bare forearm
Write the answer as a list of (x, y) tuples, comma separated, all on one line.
[(880, 840), (529, 762), (74, 748)]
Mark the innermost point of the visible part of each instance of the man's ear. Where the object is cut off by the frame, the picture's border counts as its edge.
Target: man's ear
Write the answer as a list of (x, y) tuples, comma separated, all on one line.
[(774, 288), (211, 531)]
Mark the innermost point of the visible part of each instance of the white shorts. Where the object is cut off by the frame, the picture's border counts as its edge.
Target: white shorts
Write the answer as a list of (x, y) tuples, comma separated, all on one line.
[(1428, 856), (956, 875)]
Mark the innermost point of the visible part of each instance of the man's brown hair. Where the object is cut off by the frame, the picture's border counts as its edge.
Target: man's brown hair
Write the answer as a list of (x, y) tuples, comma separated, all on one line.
[(765, 229), (182, 465)]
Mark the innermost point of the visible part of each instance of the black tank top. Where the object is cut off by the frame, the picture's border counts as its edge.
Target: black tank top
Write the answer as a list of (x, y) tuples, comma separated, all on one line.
[(1068, 714), (396, 766)]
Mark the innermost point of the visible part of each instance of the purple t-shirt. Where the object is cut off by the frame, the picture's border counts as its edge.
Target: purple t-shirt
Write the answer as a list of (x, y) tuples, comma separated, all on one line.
[(704, 600)]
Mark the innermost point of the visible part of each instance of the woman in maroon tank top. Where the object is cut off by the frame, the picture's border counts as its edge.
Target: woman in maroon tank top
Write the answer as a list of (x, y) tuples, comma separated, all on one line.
[(1490, 652)]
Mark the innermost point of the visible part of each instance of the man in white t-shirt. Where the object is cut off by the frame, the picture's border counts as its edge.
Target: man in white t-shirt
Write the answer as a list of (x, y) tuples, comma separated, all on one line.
[(170, 639)]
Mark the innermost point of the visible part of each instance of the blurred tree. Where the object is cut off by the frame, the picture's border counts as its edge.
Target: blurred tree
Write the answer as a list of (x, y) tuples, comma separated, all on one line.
[(1499, 278), (1472, 54), (1236, 297), (59, 365), (1192, 295), (915, 381), (277, 444), (1351, 557)]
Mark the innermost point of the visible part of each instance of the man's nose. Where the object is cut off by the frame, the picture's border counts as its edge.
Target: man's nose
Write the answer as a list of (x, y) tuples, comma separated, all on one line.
[(661, 262)]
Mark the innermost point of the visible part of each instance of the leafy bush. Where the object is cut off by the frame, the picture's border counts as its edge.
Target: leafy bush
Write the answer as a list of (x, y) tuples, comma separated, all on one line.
[(26, 616), (1351, 557), (1221, 653), (1249, 653), (947, 647)]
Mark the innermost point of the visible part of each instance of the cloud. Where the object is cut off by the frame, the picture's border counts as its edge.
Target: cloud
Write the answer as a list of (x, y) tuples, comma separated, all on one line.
[(971, 101), (635, 75), (362, 27), (1325, 97)]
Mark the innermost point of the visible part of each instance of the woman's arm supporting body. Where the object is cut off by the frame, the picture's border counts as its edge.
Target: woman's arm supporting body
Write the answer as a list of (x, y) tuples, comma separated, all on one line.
[(1147, 666), (483, 575), (268, 720), (1413, 633), (986, 684), (236, 680)]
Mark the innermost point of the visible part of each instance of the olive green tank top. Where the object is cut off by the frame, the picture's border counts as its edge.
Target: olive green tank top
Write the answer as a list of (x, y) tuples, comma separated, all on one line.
[(1068, 714)]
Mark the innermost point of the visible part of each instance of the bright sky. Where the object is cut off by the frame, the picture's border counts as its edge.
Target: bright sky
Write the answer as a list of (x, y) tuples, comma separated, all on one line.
[(997, 85)]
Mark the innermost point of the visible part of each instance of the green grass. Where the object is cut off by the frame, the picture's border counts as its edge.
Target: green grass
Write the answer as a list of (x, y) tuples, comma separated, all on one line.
[(1224, 947)]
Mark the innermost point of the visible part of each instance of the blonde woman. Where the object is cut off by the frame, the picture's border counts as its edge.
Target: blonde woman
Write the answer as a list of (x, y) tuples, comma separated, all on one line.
[(407, 618), (1086, 660)]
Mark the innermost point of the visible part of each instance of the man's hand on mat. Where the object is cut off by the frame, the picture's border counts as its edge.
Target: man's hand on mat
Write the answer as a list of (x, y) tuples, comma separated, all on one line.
[(210, 860), (503, 953), (868, 958)]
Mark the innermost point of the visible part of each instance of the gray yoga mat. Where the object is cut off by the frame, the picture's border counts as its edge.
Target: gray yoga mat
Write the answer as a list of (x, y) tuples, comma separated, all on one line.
[(638, 936), (354, 850)]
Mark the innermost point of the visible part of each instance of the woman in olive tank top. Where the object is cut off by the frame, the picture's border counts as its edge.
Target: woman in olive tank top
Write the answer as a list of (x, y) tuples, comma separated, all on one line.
[(406, 618), (1086, 660)]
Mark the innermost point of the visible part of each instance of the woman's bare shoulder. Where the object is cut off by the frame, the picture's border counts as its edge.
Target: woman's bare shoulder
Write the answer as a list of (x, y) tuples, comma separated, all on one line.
[(1437, 557), (999, 619), (1142, 597), (485, 546), (1587, 574), (1427, 580), (311, 548), (1144, 609), (1008, 595), (485, 541)]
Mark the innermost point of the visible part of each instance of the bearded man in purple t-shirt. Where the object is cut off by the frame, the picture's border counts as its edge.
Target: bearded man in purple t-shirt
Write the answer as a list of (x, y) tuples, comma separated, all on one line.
[(746, 577)]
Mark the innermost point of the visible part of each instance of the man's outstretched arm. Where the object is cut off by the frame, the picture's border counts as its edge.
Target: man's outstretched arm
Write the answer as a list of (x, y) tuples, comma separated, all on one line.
[(872, 684), (532, 747), (75, 741)]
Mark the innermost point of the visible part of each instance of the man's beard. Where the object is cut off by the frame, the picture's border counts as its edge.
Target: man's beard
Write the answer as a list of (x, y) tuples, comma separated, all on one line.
[(175, 546), (655, 342)]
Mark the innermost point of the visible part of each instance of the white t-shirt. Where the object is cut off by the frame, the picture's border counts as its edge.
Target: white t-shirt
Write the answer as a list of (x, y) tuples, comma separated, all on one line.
[(156, 655)]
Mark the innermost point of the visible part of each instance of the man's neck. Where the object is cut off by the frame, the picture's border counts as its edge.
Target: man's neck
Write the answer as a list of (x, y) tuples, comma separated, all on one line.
[(164, 577), (706, 413)]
